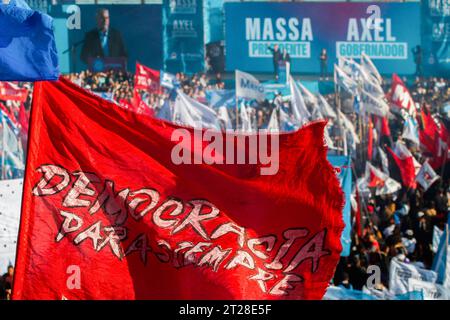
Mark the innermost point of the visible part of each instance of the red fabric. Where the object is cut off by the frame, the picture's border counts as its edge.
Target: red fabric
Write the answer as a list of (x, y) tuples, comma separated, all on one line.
[(400, 96), (370, 139), (140, 106), (293, 217), (146, 78), (435, 140), (375, 181), (406, 168), (382, 125), (9, 91), (23, 118)]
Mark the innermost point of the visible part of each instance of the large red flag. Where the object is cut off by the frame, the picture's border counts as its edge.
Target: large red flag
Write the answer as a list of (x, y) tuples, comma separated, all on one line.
[(146, 78), (109, 213)]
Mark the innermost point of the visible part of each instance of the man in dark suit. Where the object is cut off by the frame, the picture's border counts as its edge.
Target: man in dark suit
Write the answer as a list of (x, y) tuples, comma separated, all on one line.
[(103, 41)]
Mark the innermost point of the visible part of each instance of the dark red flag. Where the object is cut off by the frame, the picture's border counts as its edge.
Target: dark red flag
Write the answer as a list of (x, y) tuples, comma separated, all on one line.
[(400, 97), (108, 213), (146, 78), (370, 139)]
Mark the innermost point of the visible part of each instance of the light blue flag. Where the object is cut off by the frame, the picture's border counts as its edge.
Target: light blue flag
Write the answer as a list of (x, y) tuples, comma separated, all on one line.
[(342, 293), (221, 98), (27, 44), (441, 262), (343, 164), (168, 80)]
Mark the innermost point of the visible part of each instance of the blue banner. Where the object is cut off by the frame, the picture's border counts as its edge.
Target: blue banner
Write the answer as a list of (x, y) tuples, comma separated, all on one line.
[(387, 35), (343, 166), (435, 54), (183, 36)]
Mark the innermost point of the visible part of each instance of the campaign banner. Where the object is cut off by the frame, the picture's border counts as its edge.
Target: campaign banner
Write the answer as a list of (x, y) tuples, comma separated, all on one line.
[(183, 43), (436, 36), (342, 165), (248, 87), (387, 34)]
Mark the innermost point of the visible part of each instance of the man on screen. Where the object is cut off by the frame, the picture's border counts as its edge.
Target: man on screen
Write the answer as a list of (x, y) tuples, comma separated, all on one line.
[(103, 41)]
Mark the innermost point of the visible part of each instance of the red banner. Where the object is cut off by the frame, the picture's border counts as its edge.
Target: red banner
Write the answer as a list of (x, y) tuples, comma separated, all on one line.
[(400, 96), (10, 91), (108, 214), (146, 78)]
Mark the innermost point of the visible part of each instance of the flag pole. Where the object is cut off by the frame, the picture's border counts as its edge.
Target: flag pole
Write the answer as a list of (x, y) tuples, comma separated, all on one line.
[(338, 107), (237, 107)]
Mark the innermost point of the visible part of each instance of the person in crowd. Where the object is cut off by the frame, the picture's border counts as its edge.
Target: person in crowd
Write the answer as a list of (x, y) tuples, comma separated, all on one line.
[(6, 284), (323, 64), (276, 58), (103, 41), (286, 58), (417, 53)]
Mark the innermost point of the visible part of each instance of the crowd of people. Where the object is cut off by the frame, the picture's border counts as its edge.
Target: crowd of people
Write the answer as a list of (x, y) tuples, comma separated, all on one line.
[(396, 225)]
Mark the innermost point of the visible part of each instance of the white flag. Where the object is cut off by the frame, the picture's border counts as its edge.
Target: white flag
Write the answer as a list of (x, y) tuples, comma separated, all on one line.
[(368, 65), (426, 176), (344, 81), (410, 131), (222, 115), (437, 234), (308, 96), (325, 108), (384, 160), (273, 125), (248, 87), (299, 110), (190, 112), (373, 105), (348, 125), (246, 124), (374, 178)]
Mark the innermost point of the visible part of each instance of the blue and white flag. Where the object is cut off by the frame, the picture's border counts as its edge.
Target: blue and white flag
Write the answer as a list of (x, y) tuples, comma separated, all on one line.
[(168, 80), (221, 98), (437, 234), (344, 81), (190, 112), (441, 261), (400, 273), (342, 293), (248, 87), (410, 130), (27, 44)]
